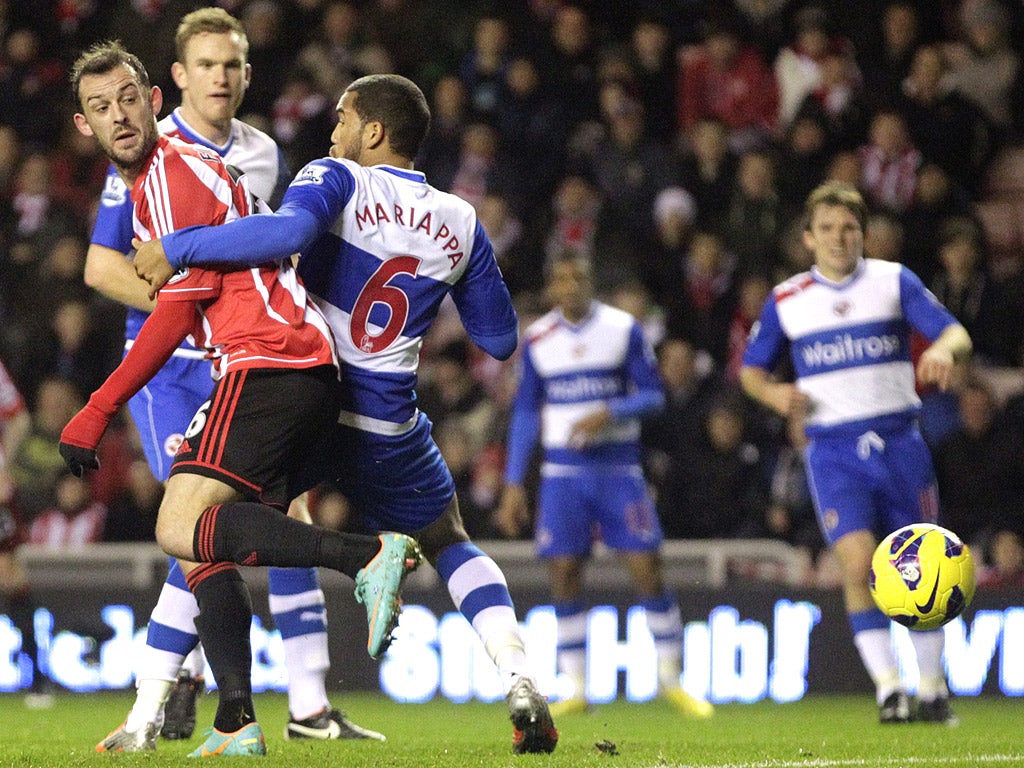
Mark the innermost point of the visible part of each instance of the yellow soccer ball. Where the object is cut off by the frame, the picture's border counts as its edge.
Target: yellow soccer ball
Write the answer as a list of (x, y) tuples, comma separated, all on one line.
[(922, 576)]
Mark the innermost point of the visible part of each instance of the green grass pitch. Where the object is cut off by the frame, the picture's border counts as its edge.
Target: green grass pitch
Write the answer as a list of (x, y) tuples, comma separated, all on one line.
[(820, 731)]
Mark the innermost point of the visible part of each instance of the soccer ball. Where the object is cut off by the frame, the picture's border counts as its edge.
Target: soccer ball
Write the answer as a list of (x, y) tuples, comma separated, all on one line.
[(922, 576)]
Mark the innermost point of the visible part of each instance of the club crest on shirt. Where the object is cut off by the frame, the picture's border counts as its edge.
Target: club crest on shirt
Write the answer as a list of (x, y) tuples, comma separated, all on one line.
[(115, 192), (831, 518), (181, 274), (311, 174), (842, 308), (173, 443)]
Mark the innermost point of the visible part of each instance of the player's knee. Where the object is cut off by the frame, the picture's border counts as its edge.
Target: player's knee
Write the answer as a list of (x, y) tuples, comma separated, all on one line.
[(442, 533), (174, 531)]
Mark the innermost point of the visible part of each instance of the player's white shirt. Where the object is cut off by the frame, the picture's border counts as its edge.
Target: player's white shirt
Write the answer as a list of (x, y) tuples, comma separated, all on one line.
[(581, 367), (391, 213), (399, 247), (850, 342), (381, 249), (247, 148), (570, 371)]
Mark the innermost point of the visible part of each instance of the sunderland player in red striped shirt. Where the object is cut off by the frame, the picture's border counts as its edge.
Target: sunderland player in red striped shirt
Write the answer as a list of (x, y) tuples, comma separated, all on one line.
[(275, 395)]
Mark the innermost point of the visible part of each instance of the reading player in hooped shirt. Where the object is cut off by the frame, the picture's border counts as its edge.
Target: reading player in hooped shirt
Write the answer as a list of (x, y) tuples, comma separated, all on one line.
[(381, 249), (848, 324), (212, 73), (275, 396)]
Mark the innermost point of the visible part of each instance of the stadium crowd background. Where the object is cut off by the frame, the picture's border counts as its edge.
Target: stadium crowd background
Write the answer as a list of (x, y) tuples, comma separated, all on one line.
[(672, 141)]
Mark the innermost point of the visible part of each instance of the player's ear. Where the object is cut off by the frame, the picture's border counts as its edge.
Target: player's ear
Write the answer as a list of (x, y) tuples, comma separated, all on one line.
[(83, 125), (179, 75), (373, 134), (246, 76), (156, 99), (808, 240)]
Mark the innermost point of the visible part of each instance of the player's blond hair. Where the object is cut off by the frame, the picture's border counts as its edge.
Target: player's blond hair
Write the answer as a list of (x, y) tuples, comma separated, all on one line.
[(833, 193), (216, 21)]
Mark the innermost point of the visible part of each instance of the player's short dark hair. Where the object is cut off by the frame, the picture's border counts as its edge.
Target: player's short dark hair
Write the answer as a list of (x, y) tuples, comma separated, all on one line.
[(567, 257), (833, 193), (215, 21), (103, 57), (399, 105)]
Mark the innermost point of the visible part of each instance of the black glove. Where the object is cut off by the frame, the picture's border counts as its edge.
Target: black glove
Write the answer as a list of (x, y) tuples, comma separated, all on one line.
[(79, 459)]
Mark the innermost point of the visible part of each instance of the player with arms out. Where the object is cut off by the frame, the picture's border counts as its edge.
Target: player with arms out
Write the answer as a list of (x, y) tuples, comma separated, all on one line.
[(848, 323), (276, 395), (212, 73), (381, 249), (588, 376)]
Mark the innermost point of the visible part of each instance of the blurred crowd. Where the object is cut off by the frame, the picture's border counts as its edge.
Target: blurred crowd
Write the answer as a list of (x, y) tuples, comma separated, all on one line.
[(672, 142)]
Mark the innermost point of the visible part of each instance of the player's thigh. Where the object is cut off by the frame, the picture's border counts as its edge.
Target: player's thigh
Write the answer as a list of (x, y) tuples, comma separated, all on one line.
[(186, 497), (566, 574), (446, 530), (163, 409), (394, 482), (842, 492), (625, 511), (910, 495), (257, 428), (564, 519)]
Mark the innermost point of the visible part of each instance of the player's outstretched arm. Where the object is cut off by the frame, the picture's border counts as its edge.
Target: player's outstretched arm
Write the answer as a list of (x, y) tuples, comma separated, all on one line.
[(159, 336)]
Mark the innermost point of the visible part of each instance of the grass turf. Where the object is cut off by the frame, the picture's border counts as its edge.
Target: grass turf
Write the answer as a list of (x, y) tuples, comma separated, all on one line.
[(820, 731)]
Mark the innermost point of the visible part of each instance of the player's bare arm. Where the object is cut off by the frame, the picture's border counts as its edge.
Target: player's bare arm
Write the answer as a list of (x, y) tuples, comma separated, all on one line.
[(938, 362), (151, 264), (512, 514), (782, 397), (107, 271), (587, 427)]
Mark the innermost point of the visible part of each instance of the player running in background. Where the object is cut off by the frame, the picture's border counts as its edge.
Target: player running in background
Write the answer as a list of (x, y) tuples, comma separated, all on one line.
[(212, 74), (276, 394), (847, 324), (588, 376), (381, 249), (15, 589)]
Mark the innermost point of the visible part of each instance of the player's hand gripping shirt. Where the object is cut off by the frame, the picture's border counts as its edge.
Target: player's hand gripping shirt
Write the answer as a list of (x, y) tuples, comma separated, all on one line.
[(850, 344), (380, 249), (568, 371)]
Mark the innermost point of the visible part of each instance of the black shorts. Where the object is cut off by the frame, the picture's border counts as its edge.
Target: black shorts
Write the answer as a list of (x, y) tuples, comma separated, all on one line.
[(259, 427)]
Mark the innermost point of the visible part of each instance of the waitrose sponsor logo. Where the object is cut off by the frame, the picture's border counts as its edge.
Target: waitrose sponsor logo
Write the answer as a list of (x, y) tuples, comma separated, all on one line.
[(847, 348)]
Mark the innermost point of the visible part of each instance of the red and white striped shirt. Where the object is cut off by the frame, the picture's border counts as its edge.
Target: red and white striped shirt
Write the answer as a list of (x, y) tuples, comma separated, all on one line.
[(253, 318)]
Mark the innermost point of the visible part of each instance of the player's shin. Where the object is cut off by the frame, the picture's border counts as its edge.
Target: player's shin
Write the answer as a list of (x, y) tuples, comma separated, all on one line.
[(297, 605), (254, 534), (225, 616), (479, 590)]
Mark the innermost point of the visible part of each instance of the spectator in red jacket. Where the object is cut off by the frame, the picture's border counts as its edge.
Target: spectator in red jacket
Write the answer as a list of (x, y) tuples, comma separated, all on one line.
[(727, 79)]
